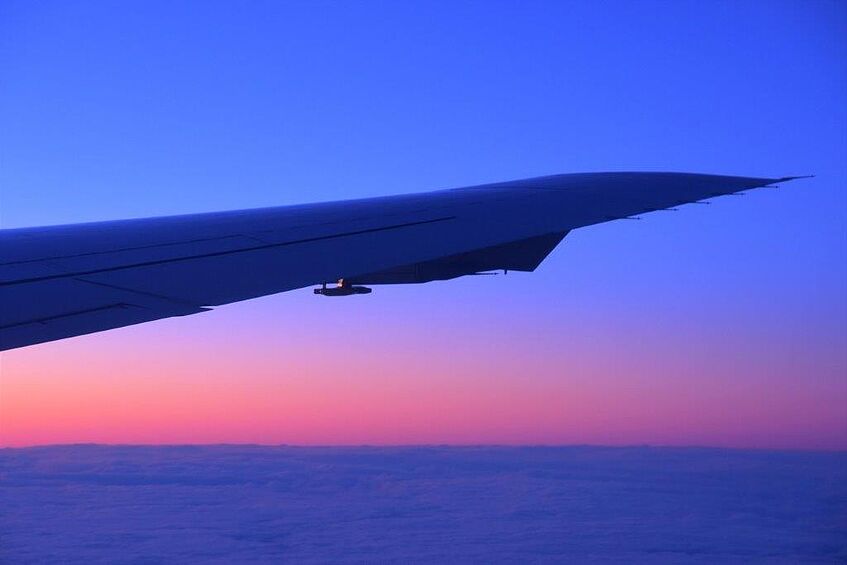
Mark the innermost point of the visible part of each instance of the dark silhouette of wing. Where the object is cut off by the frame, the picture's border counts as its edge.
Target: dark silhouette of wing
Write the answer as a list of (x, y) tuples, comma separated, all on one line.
[(62, 281)]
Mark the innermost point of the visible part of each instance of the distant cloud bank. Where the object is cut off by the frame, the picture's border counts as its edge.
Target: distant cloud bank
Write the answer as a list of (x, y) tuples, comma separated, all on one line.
[(240, 504)]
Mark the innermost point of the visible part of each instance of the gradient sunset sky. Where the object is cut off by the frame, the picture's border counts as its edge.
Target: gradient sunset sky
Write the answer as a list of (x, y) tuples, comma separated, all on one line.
[(721, 325)]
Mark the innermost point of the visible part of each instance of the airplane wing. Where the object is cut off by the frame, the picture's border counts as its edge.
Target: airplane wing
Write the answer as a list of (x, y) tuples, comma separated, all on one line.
[(62, 281)]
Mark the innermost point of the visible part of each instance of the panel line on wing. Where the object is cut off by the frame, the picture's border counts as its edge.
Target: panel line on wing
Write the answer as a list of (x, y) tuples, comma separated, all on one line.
[(47, 319), (175, 301), (229, 252), (123, 249)]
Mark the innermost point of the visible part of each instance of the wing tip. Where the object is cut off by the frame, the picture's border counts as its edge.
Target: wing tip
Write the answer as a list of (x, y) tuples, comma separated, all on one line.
[(786, 179)]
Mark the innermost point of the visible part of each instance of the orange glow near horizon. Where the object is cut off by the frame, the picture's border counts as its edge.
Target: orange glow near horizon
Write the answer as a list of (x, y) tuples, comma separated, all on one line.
[(621, 391)]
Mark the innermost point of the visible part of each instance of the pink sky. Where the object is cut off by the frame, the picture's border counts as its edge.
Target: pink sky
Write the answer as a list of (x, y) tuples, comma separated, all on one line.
[(299, 383)]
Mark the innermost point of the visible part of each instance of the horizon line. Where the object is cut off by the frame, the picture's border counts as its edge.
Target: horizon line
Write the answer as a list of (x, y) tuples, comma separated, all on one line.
[(430, 445)]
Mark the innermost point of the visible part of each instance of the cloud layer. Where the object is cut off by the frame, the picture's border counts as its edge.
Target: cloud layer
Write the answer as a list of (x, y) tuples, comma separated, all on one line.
[(251, 504)]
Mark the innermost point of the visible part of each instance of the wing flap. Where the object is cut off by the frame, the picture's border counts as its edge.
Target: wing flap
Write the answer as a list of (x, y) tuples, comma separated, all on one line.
[(524, 255)]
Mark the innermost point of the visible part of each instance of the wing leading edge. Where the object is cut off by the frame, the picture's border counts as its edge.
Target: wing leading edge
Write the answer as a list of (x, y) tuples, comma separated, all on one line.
[(63, 281)]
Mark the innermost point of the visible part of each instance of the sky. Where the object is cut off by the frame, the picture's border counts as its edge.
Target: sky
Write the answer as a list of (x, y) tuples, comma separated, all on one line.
[(722, 326)]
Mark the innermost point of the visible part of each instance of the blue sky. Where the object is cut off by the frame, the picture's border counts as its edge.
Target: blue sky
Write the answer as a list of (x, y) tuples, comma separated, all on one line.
[(115, 110)]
